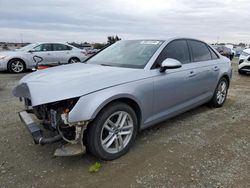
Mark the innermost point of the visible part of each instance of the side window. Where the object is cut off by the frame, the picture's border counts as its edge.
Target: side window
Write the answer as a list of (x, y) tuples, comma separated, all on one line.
[(200, 51), (213, 54), (43, 47), (177, 49), (61, 47), (38, 48)]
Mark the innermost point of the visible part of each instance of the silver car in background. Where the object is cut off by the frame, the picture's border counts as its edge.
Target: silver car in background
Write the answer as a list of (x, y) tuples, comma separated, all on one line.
[(103, 103), (46, 53)]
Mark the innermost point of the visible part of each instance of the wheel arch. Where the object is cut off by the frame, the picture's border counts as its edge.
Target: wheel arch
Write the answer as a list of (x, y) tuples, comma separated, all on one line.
[(130, 102), (17, 58), (226, 77)]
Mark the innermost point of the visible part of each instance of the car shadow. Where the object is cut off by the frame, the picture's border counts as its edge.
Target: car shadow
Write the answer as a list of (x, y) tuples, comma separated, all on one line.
[(245, 74), (7, 72), (171, 122), (88, 158)]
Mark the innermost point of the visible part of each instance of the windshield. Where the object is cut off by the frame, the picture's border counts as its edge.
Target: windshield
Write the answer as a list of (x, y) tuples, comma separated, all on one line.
[(28, 47), (130, 54)]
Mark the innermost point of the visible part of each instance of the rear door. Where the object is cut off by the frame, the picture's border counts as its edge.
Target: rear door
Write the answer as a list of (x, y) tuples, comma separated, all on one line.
[(206, 69), (61, 53)]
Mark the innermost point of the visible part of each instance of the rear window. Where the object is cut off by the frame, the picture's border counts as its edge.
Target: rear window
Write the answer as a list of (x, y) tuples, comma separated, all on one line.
[(61, 47), (200, 51)]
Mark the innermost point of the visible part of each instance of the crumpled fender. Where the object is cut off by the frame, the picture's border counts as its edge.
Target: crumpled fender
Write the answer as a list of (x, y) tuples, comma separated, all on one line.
[(89, 106)]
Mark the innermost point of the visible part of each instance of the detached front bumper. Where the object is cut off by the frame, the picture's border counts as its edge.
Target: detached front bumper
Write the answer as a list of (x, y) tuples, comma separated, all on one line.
[(66, 150), (35, 130)]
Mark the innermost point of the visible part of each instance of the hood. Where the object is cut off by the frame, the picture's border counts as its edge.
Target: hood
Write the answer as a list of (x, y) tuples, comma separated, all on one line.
[(11, 53), (247, 50), (75, 80)]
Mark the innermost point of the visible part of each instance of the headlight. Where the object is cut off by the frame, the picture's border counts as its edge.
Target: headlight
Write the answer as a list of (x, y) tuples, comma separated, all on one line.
[(2, 56), (244, 54)]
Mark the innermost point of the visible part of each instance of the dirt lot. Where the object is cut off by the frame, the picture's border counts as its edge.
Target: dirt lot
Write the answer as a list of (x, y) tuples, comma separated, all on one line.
[(201, 148)]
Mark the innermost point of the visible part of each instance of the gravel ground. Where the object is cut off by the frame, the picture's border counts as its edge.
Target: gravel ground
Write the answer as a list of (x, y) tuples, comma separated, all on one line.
[(201, 148)]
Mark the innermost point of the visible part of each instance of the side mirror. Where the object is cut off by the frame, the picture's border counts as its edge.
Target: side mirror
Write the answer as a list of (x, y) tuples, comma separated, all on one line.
[(170, 63), (31, 50)]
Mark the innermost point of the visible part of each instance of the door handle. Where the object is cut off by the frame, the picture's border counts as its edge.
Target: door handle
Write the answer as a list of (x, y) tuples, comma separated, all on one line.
[(192, 74), (216, 68)]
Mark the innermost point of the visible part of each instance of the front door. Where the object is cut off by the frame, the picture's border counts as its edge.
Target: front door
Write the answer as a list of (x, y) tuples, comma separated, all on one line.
[(43, 54), (177, 90)]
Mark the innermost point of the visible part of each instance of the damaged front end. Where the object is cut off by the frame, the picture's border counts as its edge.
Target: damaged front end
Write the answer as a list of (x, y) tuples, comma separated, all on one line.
[(54, 117)]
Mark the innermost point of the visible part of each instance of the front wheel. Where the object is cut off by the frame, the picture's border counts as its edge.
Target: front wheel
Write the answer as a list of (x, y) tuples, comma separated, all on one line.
[(16, 66), (241, 72), (113, 132), (220, 94)]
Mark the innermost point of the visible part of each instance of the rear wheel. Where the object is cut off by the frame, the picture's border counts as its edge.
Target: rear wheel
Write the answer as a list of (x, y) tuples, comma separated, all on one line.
[(16, 66), (113, 132), (74, 60), (220, 94)]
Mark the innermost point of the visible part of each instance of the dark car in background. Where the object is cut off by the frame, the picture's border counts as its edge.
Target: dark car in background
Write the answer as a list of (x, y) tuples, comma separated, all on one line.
[(223, 50)]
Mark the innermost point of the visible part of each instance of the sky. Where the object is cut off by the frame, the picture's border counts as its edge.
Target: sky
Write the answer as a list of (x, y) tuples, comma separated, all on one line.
[(94, 20)]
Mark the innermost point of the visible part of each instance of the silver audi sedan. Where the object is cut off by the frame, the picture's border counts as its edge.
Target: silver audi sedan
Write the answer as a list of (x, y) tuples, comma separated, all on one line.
[(31, 55), (103, 103)]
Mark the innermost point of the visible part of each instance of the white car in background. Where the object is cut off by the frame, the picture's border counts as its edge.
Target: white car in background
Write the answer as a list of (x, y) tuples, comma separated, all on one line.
[(29, 56), (244, 62), (244, 66), (245, 53)]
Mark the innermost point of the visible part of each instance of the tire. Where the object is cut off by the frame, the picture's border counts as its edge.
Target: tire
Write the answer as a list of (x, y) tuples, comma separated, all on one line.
[(16, 66), (241, 72), (74, 60), (220, 94), (231, 57), (105, 140)]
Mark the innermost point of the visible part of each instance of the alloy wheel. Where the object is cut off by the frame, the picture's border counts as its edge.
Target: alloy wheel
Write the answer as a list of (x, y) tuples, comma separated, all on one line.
[(116, 132), (17, 66), (222, 92)]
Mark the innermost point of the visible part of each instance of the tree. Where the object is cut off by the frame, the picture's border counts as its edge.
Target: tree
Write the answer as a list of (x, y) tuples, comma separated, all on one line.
[(99, 45), (5, 47), (112, 39), (242, 45)]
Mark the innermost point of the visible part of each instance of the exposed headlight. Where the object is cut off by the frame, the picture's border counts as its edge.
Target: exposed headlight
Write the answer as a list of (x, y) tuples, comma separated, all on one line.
[(2, 56)]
